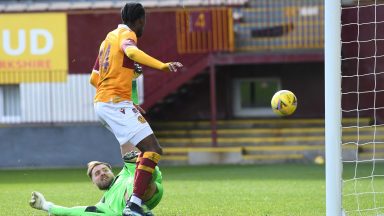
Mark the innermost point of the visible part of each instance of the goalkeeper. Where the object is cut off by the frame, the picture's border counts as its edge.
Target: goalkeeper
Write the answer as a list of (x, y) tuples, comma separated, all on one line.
[(117, 189)]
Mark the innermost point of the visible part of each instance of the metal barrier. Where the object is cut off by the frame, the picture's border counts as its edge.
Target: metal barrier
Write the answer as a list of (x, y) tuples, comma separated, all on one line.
[(65, 5)]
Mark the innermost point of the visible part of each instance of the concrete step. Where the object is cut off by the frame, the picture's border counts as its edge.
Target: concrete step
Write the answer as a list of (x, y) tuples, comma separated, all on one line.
[(265, 140), (278, 153), (263, 132), (237, 132), (286, 140), (255, 123)]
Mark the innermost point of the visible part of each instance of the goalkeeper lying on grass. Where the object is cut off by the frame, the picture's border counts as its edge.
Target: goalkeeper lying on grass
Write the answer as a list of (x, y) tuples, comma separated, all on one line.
[(117, 191)]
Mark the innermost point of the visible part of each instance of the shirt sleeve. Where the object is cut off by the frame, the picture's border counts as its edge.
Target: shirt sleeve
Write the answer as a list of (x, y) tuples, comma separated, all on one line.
[(128, 44), (128, 39), (100, 209), (62, 211), (94, 79), (96, 65)]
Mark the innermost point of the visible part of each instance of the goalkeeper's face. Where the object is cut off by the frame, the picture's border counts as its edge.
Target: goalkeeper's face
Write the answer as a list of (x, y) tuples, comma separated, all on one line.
[(102, 176)]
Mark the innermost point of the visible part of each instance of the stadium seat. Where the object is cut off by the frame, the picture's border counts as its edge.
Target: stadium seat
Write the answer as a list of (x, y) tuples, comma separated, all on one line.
[(14, 7), (40, 6), (119, 4), (81, 5), (192, 3), (102, 4), (169, 3), (60, 5), (2, 7), (149, 4)]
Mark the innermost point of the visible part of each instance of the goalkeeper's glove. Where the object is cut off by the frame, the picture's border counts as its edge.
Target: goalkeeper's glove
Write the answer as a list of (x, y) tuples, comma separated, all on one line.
[(38, 202)]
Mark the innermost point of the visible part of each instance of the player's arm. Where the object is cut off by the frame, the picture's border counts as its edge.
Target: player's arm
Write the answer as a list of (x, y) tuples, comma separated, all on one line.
[(38, 202), (131, 51), (94, 79)]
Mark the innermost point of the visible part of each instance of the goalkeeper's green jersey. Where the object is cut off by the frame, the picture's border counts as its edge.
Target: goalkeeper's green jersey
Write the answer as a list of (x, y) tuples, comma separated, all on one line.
[(113, 201), (114, 197)]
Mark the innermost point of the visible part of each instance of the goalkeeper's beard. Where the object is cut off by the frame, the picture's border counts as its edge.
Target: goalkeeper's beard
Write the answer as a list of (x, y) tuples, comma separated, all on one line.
[(104, 183)]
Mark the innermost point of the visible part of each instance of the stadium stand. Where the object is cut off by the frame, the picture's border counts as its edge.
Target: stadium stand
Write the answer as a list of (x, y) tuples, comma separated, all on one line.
[(252, 141), (244, 141)]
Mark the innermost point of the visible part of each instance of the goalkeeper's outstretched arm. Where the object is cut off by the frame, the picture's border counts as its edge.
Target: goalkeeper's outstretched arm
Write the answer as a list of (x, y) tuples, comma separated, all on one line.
[(38, 202)]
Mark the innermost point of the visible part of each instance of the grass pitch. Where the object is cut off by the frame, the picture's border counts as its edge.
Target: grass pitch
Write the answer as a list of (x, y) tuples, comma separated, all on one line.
[(265, 190)]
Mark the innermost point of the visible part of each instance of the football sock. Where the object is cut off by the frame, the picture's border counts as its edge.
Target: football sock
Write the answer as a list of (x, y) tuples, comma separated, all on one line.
[(137, 164), (135, 200), (144, 172)]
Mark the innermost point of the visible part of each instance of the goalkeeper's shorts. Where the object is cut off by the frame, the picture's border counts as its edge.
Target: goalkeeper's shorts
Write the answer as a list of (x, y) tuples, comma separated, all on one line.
[(124, 121)]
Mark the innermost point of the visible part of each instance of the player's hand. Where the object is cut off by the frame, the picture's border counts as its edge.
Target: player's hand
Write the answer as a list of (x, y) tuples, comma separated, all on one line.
[(137, 70), (173, 66), (141, 110), (38, 201)]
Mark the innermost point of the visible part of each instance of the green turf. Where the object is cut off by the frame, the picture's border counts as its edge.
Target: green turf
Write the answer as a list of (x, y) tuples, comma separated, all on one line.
[(291, 189)]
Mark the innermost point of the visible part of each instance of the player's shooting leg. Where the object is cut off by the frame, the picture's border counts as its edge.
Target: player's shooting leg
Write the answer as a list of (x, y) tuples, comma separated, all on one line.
[(147, 161)]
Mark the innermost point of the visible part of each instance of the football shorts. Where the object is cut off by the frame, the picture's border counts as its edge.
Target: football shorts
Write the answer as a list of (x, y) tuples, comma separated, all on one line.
[(124, 121)]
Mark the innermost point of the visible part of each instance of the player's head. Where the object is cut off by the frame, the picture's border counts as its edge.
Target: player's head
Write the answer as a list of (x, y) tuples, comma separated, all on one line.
[(133, 15), (100, 174)]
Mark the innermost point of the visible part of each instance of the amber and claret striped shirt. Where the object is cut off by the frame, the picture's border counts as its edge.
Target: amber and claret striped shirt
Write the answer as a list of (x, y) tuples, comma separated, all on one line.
[(114, 68)]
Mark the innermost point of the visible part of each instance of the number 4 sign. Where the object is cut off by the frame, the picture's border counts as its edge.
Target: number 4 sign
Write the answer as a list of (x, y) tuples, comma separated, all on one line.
[(200, 21)]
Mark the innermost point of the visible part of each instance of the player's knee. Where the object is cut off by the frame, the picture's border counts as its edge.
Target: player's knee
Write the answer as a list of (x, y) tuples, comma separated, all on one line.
[(159, 150), (156, 149), (150, 144)]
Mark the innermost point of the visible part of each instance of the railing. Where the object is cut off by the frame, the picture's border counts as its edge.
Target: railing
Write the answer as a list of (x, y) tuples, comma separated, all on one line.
[(66, 5), (279, 25)]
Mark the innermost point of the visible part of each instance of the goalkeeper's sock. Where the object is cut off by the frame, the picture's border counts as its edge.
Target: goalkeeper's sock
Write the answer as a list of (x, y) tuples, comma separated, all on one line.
[(144, 172)]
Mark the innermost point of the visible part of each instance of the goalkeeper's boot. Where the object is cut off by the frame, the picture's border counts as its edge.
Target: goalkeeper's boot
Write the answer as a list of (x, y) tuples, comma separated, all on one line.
[(146, 210), (132, 209), (130, 157)]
